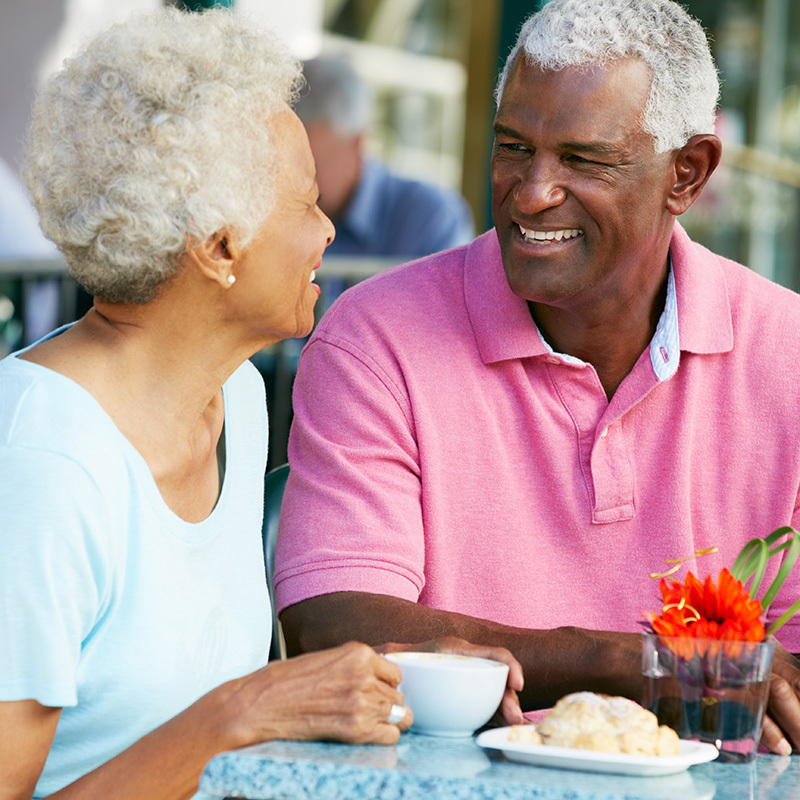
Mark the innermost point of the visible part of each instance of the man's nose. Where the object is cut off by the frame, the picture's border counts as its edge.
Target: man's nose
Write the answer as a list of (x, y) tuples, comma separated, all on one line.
[(541, 186)]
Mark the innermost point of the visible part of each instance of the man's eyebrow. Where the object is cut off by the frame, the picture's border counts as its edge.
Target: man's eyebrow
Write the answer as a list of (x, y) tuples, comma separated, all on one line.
[(504, 130), (599, 148), (586, 147)]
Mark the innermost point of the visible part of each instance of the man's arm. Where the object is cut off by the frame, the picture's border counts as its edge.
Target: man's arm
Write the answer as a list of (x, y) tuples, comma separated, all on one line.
[(555, 662)]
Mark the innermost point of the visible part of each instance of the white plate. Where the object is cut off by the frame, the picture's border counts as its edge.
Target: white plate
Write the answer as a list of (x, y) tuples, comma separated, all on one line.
[(592, 761)]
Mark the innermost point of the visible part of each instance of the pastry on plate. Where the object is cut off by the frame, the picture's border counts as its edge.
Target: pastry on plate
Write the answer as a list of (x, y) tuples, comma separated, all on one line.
[(589, 721), (524, 734)]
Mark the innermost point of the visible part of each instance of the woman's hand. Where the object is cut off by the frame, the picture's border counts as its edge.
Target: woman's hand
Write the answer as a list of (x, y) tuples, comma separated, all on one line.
[(344, 694), (510, 712)]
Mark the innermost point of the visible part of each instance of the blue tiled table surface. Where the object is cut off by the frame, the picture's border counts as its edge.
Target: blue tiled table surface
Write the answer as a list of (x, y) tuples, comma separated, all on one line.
[(426, 768)]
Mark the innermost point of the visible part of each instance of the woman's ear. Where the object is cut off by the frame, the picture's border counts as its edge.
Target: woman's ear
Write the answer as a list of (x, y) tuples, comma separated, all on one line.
[(216, 257), (693, 165)]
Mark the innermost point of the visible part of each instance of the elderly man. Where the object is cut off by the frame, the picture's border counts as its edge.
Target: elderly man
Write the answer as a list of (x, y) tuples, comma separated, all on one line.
[(502, 442), (376, 213)]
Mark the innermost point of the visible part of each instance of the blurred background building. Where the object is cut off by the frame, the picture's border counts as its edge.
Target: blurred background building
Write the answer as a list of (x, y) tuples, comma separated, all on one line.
[(432, 65)]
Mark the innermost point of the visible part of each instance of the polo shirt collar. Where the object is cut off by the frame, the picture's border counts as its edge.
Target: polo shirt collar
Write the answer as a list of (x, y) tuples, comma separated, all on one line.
[(501, 321), (504, 328), (704, 308)]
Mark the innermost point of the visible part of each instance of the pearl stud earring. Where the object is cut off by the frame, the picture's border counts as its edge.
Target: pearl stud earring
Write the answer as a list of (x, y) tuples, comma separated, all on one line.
[(231, 279)]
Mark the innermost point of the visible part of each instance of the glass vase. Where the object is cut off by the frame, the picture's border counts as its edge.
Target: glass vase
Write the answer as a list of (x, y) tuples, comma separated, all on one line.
[(709, 690)]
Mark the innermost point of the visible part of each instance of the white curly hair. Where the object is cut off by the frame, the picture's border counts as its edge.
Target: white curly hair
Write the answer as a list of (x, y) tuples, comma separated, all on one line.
[(685, 84), (156, 129)]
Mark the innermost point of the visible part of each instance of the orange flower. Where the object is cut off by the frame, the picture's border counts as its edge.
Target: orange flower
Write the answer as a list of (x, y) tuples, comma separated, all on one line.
[(722, 612)]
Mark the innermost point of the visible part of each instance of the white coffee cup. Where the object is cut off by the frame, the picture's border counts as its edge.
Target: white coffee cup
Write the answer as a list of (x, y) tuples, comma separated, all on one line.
[(450, 695)]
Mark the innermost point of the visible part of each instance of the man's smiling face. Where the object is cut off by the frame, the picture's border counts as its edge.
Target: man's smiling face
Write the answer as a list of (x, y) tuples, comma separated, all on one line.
[(578, 193)]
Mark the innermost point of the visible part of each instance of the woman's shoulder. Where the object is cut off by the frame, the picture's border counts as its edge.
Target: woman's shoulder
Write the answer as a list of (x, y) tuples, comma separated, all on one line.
[(54, 479), (46, 412)]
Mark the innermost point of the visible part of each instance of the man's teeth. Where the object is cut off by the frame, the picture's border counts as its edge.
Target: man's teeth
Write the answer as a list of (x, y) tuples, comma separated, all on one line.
[(543, 236)]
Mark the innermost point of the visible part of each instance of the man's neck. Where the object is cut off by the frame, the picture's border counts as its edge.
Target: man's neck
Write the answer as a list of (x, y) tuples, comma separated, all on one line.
[(610, 339)]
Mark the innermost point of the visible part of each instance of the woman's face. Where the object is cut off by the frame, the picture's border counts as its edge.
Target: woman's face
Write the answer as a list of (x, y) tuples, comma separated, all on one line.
[(277, 268)]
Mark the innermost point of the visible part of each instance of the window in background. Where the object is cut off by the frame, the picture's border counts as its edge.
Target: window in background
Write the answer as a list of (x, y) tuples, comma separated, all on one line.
[(431, 65), (750, 210), (412, 54)]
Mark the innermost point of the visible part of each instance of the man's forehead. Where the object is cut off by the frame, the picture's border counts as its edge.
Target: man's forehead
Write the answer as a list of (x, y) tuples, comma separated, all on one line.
[(605, 102), (620, 73)]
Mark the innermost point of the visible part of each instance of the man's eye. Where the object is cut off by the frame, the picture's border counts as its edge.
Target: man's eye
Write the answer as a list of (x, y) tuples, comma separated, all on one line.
[(576, 159), (512, 147)]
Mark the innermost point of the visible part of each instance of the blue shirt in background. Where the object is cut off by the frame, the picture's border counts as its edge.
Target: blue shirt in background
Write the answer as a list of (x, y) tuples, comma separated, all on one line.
[(393, 216)]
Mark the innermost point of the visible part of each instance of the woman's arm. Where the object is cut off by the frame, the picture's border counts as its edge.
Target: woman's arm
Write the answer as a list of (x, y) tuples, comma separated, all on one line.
[(26, 733), (344, 694)]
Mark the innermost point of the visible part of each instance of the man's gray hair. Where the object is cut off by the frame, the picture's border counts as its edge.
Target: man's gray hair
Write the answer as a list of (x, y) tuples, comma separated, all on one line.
[(336, 94), (685, 85), (157, 129)]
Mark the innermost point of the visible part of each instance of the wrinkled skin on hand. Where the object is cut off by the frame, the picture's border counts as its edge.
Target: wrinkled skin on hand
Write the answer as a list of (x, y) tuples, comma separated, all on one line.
[(782, 724), (342, 694), (509, 712)]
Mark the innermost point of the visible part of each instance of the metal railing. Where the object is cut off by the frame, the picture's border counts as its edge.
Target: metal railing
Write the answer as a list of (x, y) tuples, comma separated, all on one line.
[(38, 295)]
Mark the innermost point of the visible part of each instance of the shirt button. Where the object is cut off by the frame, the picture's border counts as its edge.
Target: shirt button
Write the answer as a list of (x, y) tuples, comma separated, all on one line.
[(553, 360)]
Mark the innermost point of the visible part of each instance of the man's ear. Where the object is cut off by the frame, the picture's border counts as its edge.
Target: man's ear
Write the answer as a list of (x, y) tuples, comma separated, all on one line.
[(693, 165), (216, 257)]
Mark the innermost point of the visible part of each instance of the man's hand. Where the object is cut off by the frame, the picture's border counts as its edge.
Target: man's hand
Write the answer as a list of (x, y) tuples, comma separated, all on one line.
[(782, 724), (510, 712), (555, 662)]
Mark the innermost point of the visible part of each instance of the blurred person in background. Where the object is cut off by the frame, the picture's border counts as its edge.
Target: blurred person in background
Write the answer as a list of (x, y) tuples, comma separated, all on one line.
[(376, 213), (167, 165)]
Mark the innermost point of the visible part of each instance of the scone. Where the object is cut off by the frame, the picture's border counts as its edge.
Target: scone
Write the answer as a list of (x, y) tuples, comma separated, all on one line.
[(589, 721), (524, 734)]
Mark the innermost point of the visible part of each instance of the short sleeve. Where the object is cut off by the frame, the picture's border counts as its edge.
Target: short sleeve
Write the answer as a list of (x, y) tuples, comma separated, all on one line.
[(54, 573), (351, 518)]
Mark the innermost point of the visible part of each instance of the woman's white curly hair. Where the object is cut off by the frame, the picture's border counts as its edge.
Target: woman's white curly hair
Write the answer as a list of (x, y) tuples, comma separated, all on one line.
[(156, 129), (685, 85)]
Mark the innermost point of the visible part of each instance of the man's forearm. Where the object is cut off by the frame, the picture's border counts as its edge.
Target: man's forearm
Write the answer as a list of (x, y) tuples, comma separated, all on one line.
[(555, 661)]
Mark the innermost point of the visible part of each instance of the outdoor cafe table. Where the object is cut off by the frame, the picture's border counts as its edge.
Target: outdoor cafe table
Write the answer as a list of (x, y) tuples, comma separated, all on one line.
[(427, 768)]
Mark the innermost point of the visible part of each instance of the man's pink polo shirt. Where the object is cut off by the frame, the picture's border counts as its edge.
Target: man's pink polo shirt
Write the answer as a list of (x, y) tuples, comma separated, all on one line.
[(442, 454)]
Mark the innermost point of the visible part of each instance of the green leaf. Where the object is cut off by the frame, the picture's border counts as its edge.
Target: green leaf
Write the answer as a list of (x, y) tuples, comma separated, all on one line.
[(793, 545), (784, 618), (751, 560)]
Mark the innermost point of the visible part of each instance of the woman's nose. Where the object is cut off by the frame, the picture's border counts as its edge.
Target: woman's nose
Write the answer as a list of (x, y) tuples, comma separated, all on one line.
[(330, 233)]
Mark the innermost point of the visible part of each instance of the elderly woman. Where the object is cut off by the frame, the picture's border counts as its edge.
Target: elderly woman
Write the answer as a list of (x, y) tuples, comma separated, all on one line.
[(167, 166)]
